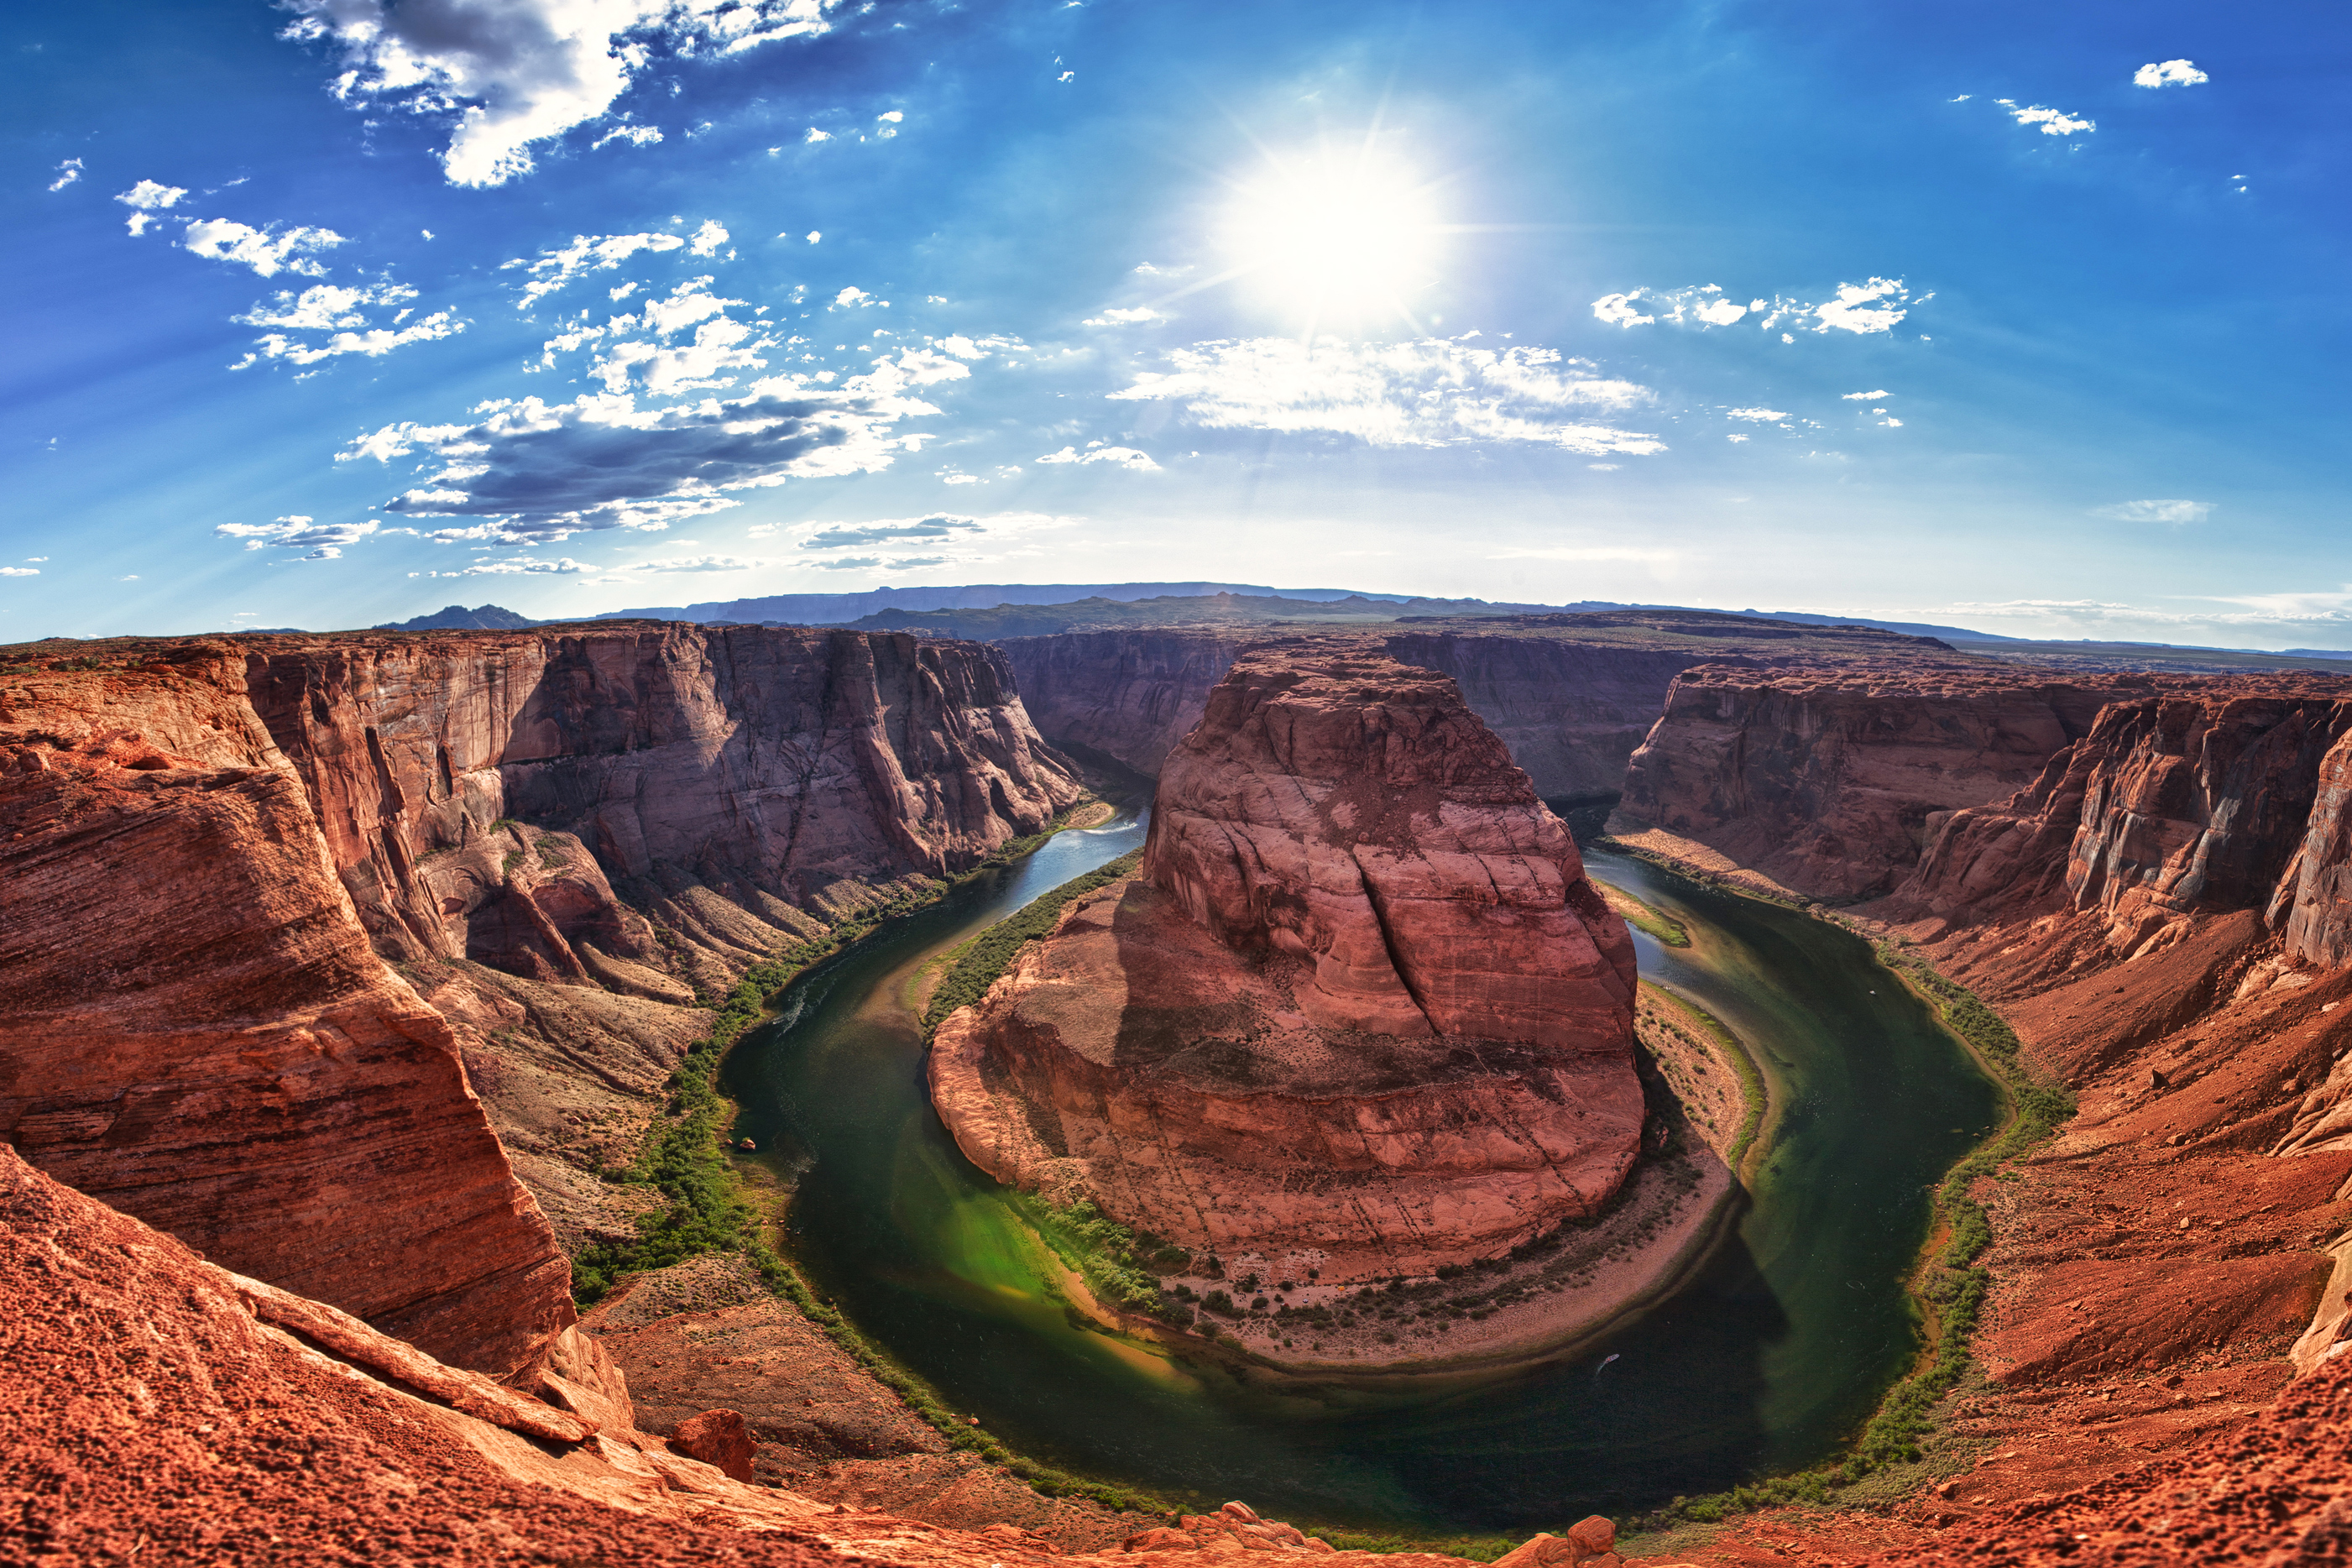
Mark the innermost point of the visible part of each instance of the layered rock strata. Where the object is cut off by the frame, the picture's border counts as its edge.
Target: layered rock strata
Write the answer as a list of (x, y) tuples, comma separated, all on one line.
[(213, 845), (2154, 912), (1360, 1007), (1570, 695), (1832, 779)]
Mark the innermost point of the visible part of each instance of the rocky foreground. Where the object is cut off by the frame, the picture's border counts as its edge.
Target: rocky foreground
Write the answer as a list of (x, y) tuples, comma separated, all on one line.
[(1359, 1016)]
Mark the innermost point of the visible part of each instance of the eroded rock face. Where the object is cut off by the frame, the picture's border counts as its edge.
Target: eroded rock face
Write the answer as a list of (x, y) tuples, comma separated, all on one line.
[(726, 782), (212, 846), (1833, 780), (196, 1031), (1361, 1004)]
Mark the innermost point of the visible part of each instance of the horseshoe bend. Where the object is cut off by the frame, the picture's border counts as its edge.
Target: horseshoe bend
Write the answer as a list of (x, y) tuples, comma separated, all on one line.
[(366, 995)]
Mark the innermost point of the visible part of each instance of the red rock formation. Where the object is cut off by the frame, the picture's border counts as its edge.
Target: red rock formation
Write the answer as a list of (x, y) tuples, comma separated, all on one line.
[(197, 832), (722, 780), (1362, 1007), (196, 1031), (1833, 780), (1570, 695)]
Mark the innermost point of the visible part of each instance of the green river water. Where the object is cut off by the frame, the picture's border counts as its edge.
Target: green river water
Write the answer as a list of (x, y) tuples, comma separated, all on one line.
[(1770, 1356)]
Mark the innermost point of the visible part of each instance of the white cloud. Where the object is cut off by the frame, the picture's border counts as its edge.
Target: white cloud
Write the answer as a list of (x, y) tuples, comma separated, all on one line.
[(508, 76), (1759, 414), (324, 540), (514, 566), (2169, 73), (847, 535), (634, 135), (2053, 121), (1872, 307), (854, 299), (1604, 467), (551, 270), (814, 234), (68, 173), (323, 305), (892, 115), (267, 253), (1617, 310), (817, 135), (543, 471), (1430, 393), (149, 195), (1866, 397), (1122, 457), (1117, 318), (1735, 437), (694, 564), (2174, 512), (708, 239), (375, 342), (19, 571)]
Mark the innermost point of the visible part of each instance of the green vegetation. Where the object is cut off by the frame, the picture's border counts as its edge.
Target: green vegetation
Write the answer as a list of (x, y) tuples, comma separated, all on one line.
[(1641, 917), (976, 965), (1952, 1283), (1120, 1266), (685, 1161), (1753, 1093)]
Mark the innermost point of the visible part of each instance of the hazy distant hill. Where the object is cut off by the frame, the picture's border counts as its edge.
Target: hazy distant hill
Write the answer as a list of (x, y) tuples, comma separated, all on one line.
[(834, 609), (458, 619)]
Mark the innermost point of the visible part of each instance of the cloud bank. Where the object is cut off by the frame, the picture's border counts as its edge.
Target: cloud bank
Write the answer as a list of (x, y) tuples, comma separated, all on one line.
[(1432, 392), (507, 77)]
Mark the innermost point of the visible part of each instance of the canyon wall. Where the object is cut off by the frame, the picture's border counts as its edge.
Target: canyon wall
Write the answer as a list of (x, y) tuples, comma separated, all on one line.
[(1570, 695), (1833, 779), (563, 837), (1361, 1010)]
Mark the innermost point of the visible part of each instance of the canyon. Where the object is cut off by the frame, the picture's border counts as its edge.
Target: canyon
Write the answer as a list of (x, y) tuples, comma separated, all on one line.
[(1360, 1014), (341, 968)]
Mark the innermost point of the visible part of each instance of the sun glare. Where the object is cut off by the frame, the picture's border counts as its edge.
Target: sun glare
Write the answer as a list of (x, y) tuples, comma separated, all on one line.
[(1335, 235)]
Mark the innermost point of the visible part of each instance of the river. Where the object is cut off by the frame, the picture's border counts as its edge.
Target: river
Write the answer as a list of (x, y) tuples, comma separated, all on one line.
[(1765, 1362)]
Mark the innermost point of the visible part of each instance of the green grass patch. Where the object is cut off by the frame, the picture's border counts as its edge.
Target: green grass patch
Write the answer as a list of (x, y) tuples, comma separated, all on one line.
[(1667, 929), (685, 1160), (1951, 1285), (1753, 1091), (978, 963)]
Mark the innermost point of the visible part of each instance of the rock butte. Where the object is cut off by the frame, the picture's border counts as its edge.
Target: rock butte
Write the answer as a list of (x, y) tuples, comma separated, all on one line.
[(1361, 1004)]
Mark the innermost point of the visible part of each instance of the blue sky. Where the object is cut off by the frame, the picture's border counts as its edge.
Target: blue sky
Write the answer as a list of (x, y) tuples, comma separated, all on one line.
[(2021, 317)]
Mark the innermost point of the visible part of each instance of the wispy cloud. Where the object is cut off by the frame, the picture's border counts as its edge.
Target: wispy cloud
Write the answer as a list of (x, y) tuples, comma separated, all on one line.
[(342, 313), (1584, 553), (1430, 393), (1096, 452), (2169, 73), (1128, 318), (322, 541), (267, 251), (2053, 121), (507, 76), (843, 535), (1866, 397), (551, 270), (1760, 416), (2173, 511), (68, 173), (514, 566), (634, 135), (1875, 305)]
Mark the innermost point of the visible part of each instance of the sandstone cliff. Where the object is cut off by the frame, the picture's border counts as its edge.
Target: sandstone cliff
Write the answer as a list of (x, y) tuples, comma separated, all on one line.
[(212, 846), (1361, 1010), (1832, 779), (1570, 695)]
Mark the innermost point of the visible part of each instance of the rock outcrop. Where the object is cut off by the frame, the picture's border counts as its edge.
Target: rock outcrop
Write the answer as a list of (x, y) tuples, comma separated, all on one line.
[(1570, 695), (213, 845), (1361, 1007), (196, 1031), (1833, 780)]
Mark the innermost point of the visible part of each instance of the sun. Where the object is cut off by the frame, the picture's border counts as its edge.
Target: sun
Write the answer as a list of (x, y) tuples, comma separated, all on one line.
[(1336, 235)]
